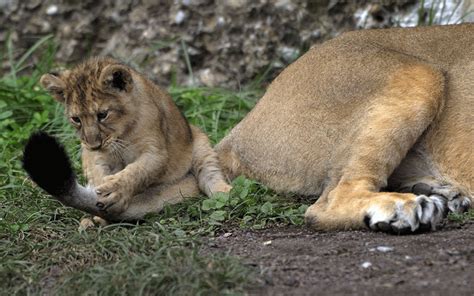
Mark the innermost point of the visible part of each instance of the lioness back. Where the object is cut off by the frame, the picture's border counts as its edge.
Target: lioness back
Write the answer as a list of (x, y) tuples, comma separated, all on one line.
[(306, 131)]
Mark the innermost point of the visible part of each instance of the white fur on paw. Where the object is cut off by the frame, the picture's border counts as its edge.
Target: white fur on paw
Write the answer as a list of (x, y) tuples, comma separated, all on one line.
[(425, 213), (459, 204)]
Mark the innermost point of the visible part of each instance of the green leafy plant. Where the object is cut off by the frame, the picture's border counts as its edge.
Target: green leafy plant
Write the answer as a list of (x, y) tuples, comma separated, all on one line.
[(252, 205)]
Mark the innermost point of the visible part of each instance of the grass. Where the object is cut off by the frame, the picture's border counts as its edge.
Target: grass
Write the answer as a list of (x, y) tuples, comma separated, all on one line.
[(462, 218), (43, 252)]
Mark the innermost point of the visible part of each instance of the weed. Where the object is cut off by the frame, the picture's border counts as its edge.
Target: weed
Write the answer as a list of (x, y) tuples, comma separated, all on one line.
[(461, 218)]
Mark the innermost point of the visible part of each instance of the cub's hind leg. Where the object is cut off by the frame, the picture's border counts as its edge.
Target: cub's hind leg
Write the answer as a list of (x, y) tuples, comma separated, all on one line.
[(401, 112), (155, 198), (206, 166)]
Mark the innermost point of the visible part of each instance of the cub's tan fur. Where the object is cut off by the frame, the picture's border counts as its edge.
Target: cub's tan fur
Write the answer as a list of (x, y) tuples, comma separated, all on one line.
[(139, 152), (379, 124)]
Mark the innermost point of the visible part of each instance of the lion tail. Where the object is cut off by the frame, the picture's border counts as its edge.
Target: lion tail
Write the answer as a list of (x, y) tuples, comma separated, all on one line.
[(48, 165)]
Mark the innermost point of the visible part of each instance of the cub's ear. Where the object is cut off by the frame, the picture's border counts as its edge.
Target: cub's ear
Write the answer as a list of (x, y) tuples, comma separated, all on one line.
[(116, 78), (54, 85)]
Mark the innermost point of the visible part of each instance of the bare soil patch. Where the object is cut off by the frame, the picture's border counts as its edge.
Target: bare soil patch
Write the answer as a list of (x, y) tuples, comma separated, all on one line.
[(300, 261)]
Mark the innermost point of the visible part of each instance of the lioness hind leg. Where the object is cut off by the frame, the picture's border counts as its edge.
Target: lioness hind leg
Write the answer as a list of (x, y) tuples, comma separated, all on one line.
[(398, 116)]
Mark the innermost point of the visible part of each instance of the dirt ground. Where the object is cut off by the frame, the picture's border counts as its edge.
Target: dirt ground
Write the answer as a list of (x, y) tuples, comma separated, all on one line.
[(299, 261)]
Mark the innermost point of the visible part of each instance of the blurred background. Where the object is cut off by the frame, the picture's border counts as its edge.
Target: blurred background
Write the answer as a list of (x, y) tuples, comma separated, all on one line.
[(204, 42)]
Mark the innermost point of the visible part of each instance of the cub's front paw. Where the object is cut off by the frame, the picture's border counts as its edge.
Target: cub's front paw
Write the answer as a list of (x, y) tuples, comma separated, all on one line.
[(406, 215), (112, 196)]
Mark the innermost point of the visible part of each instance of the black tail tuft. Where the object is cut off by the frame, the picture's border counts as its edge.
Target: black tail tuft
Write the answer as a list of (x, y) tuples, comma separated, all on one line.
[(48, 165)]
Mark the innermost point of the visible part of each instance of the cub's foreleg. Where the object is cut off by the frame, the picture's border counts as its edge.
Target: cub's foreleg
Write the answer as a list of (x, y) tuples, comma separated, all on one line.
[(95, 168), (401, 112), (117, 190)]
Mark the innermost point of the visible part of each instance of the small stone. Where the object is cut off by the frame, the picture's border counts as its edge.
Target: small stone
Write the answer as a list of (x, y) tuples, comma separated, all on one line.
[(384, 249), (227, 234), (179, 17), (366, 264), (149, 33), (210, 78), (52, 10), (267, 243)]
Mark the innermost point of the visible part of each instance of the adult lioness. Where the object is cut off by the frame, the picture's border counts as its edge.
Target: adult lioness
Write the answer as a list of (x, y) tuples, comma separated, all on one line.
[(139, 152), (379, 123)]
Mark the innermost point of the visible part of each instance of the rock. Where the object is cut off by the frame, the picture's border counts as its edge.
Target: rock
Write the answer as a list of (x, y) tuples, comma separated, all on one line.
[(179, 17), (52, 10), (366, 264), (230, 43), (209, 78), (384, 249)]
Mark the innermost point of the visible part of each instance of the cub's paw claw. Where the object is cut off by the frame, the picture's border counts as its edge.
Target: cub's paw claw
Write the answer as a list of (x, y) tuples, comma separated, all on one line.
[(401, 216), (114, 203), (112, 196)]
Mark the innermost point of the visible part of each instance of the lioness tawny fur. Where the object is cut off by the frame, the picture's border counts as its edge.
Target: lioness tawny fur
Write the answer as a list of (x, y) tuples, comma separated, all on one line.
[(378, 123)]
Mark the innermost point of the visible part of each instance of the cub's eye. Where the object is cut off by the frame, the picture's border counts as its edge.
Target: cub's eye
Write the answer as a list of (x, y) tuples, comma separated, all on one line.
[(75, 120), (101, 116)]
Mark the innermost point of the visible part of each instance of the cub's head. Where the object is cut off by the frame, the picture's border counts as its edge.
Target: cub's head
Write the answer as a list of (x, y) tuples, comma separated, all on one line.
[(98, 100)]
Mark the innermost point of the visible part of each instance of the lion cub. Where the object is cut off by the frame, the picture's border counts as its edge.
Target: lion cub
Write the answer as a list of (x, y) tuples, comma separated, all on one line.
[(138, 150)]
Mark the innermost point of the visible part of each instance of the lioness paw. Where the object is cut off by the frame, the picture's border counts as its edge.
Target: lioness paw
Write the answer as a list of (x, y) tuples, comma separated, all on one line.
[(405, 216), (460, 204), (457, 202)]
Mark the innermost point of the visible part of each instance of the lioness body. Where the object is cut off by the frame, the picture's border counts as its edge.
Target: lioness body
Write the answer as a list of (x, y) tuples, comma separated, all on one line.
[(359, 109), (139, 152)]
